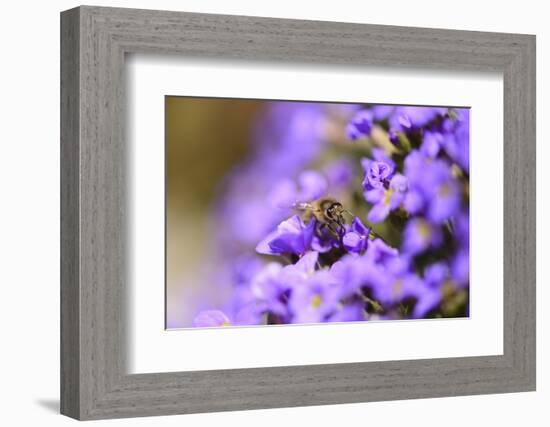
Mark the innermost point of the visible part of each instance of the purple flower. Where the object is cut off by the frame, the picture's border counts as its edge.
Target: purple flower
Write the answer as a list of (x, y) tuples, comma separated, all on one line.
[(380, 253), (431, 144), (342, 279), (294, 275), (432, 188), (399, 184), (360, 125), (462, 229), (268, 287), (314, 300), (291, 236), (460, 268), (398, 286), (245, 307), (373, 269), (436, 274), (249, 314), (380, 112), (412, 117), (379, 171), (272, 285), (351, 272), (419, 235), (211, 318), (357, 238), (352, 312), (386, 200), (445, 201), (414, 201), (376, 175), (404, 121), (393, 288), (427, 299), (456, 140)]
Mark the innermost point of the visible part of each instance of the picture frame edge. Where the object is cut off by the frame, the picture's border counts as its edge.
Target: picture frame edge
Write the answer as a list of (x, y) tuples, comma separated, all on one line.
[(93, 382)]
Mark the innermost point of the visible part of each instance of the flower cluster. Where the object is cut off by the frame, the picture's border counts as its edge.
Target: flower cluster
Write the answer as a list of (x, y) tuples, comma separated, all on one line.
[(401, 251)]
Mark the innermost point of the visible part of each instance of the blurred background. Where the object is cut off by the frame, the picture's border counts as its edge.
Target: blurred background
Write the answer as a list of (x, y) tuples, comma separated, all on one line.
[(224, 159), (205, 139), (234, 168)]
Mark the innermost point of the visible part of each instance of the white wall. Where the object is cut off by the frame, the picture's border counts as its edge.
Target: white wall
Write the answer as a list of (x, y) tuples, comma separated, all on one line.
[(29, 226)]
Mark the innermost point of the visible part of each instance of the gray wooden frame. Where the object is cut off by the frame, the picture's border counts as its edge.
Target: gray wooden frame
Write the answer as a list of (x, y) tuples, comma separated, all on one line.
[(94, 382)]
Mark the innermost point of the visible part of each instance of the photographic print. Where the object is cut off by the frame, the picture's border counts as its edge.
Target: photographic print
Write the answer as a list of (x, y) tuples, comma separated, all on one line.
[(287, 212)]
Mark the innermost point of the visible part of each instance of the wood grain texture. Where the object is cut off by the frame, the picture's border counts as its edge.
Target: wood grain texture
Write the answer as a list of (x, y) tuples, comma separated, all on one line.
[(70, 221), (94, 201)]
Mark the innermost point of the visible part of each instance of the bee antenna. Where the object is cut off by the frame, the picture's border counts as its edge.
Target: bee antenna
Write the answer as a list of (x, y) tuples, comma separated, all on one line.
[(348, 212)]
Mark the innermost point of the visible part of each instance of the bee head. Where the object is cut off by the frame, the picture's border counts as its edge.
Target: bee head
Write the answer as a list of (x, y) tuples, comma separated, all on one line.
[(334, 210)]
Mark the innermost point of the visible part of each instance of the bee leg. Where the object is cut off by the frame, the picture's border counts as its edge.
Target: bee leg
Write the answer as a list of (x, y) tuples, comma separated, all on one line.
[(320, 227), (342, 229), (341, 223), (340, 226), (335, 231)]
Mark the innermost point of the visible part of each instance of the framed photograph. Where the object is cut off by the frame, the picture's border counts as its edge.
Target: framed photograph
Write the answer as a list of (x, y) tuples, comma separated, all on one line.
[(317, 212), (261, 213)]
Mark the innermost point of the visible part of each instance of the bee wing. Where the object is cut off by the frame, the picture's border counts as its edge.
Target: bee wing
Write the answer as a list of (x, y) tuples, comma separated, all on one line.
[(303, 206)]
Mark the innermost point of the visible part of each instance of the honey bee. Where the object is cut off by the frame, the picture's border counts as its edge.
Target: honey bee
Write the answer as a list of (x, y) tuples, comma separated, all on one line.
[(328, 212)]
